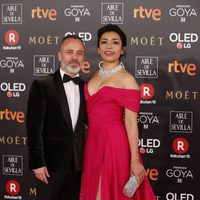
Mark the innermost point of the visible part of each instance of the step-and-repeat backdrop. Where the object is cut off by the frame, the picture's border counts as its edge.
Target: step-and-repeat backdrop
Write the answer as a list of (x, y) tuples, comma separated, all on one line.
[(163, 55)]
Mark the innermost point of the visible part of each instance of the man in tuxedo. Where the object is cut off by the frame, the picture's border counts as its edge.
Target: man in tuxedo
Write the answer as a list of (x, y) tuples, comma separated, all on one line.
[(56, 117)]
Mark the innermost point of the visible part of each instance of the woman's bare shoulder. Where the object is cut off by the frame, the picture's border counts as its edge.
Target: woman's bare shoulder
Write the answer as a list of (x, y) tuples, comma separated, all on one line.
[(128, 80)]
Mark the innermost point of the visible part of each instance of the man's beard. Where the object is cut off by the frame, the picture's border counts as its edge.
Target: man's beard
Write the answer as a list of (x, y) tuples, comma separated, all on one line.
[(70, 69)]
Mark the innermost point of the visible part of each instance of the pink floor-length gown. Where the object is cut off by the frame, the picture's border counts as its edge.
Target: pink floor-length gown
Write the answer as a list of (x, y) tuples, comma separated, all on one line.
[(107, 152)]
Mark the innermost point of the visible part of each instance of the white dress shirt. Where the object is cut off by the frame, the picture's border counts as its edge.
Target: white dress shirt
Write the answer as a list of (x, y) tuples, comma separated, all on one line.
[(73, 97)]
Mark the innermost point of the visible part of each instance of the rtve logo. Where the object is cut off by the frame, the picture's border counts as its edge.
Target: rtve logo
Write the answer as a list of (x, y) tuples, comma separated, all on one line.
[(188, 68), (41, 13), (12, 187), (180, 145), (147, 91), (12, 115), (145, 13), (11, 37), (152, 174)]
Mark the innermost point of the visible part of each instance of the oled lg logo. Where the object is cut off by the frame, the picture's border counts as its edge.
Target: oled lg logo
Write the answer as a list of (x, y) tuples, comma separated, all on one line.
[(85, 36), (181, 121), (11, 38), (147, 93), (183, 40), (145, 13), (12, 189), (148, 145), (183, 12), (148, 119), (11, 13), (12, 89), (180, 173), (77, 11), (12, 64), (179, 196), (180, 146), (43, 65), (182, 68), (112, 13), (146, 67), (43, 13)]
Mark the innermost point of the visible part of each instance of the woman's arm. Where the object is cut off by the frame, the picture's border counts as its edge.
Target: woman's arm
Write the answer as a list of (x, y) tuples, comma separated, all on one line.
[(136, 167), (131, 125)]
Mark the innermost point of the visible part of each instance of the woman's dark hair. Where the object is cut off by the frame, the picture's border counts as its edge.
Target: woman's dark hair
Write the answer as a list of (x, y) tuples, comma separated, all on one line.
[(111, 28)]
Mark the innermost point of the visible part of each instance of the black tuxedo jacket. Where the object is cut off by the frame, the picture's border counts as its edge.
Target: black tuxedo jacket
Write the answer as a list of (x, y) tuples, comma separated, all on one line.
[(51, 139)]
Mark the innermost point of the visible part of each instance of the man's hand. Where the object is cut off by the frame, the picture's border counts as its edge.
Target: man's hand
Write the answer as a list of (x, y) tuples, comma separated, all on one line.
[(42, 174)]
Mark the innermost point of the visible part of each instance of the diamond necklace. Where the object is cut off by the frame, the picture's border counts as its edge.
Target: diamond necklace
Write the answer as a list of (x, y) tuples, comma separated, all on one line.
[(103, 73)]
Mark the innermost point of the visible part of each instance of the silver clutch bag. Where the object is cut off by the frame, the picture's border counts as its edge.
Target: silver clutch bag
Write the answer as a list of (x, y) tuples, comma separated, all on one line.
[(130, 187)]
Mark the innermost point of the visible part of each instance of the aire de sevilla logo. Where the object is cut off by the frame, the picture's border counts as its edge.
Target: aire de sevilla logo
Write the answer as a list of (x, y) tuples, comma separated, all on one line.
[(12, 187), (180, 145), (11, 37)]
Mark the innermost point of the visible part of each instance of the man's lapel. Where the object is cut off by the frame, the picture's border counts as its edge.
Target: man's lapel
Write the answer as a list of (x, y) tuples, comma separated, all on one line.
[(81, 107), (62, 98)]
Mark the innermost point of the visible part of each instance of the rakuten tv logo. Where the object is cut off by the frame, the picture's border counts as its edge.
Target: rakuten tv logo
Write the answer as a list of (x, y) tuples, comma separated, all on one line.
[(12, 187), (180, 146), (11, 38), (145, 13), (147, 93)]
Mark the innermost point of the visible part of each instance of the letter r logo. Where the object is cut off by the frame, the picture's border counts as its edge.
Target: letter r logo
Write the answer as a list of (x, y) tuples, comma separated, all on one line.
[(147, 91), (11, 37)]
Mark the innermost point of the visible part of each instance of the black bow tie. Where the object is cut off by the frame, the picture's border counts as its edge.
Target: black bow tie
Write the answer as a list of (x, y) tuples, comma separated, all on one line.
[(67, 78)]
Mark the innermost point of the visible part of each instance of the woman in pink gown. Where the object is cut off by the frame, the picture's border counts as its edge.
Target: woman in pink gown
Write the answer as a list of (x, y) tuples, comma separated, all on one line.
[(111, 151)]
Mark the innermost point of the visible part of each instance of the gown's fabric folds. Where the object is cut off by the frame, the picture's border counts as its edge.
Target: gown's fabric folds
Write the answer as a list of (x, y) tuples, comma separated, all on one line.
[(107, 152)]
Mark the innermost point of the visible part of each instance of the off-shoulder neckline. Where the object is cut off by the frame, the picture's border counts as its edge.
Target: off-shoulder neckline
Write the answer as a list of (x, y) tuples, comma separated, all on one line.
[(108, 86)]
